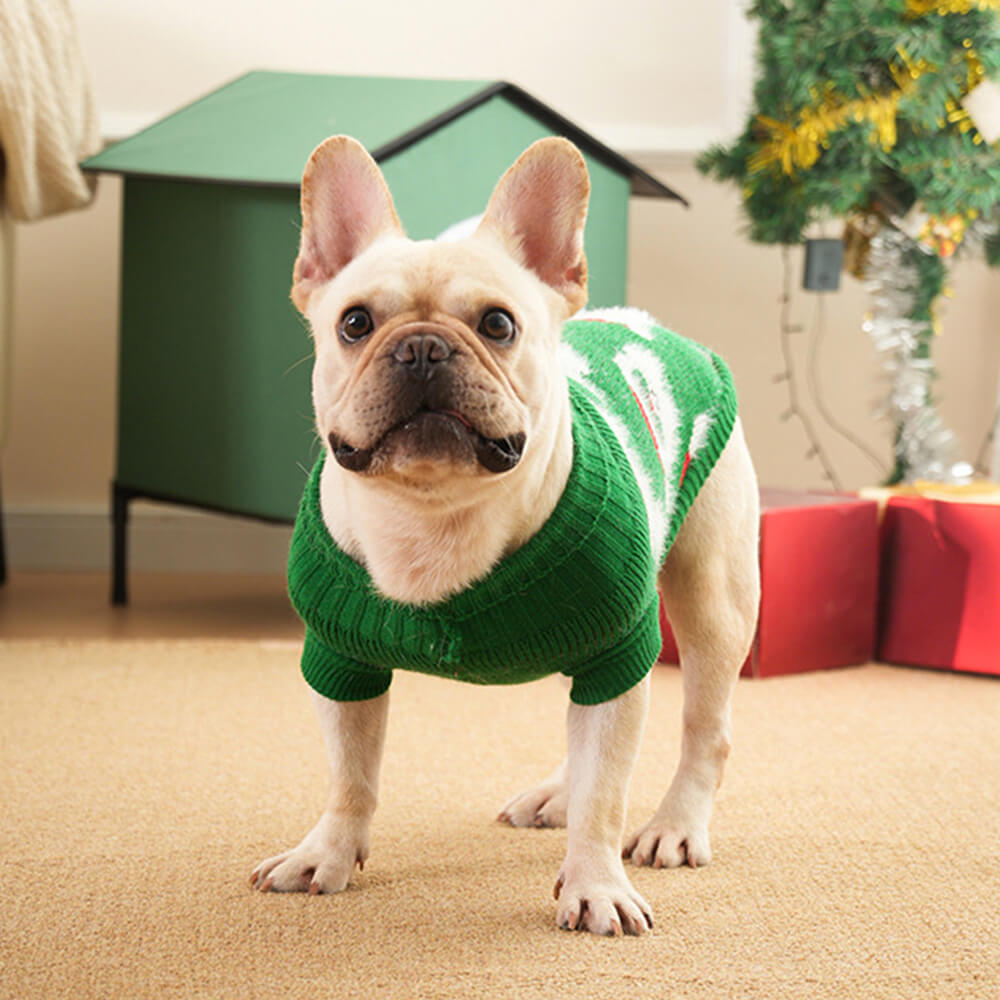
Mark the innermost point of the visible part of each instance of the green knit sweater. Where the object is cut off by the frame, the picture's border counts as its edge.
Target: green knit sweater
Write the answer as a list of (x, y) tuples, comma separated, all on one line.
[(651, 413)]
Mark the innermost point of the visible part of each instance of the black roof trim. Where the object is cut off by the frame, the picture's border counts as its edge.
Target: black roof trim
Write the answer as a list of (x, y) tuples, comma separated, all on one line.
[(643, 184)]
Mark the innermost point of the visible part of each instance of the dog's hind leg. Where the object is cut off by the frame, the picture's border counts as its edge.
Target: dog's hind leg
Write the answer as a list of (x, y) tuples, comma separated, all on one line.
[(543, 805), (710, 585)]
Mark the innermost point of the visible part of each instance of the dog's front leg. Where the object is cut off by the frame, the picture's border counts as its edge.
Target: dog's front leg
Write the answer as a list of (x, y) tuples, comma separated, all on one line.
[(354, 733), (593, 890)]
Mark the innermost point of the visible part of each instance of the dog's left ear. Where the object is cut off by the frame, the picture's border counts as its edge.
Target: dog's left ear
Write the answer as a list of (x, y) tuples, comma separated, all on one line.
[(538, 210), (346, 206)]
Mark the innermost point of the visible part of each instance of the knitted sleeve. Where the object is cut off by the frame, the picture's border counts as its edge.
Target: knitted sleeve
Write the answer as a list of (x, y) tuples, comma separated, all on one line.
[(337, 677), (620, 668)]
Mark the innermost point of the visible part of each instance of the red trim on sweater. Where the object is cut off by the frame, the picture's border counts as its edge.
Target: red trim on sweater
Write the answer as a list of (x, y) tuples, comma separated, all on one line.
[(687, 462), (649, 427)]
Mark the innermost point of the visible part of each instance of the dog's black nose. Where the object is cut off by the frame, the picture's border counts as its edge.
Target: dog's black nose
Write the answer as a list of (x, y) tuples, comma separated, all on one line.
[(421, 353)]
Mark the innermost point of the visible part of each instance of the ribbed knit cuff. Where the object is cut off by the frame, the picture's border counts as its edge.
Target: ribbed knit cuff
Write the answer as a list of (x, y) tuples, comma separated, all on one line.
[(338, 678), (621, 668)]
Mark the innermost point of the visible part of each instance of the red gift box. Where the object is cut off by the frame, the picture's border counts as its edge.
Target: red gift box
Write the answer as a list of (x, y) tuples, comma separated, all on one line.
[(941, 581), (819, 561)]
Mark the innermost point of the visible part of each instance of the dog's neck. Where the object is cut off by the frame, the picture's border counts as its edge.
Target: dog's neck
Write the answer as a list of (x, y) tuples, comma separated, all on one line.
[(419, 551)]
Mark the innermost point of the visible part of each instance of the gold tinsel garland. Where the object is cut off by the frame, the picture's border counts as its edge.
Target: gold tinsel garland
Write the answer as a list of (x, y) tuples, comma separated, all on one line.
[(919, 8), (797, 146)]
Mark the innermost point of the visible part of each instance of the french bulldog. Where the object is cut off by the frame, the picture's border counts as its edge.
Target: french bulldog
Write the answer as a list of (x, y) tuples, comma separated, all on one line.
[(456, 430)]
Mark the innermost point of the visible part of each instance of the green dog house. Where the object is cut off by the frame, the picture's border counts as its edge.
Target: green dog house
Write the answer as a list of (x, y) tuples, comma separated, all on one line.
[(214, 364)]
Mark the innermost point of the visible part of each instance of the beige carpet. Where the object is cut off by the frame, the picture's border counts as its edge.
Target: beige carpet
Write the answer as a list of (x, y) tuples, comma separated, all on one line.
[(857, 839)]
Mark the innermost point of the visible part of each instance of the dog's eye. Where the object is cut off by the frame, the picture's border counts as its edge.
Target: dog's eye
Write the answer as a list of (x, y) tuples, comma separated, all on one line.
[(355, 325), (498, 325)]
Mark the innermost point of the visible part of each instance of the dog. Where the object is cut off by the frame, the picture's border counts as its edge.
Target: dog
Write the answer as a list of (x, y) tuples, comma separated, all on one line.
[(476, 472)]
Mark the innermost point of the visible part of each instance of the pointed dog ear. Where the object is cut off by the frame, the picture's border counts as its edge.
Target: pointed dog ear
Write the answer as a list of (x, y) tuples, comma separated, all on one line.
[(538, 211), (346, 206)]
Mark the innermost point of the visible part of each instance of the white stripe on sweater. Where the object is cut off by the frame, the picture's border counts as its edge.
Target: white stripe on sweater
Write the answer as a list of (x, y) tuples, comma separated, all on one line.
[(699, 433), (644, 374), (638, 321)]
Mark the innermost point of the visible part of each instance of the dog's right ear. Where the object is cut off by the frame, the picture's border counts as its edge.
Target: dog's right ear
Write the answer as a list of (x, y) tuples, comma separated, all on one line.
[(346, 206), (539, 209)]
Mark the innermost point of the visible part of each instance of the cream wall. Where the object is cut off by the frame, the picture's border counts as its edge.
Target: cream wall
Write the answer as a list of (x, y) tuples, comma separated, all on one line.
[(657, 80), (660, 71)]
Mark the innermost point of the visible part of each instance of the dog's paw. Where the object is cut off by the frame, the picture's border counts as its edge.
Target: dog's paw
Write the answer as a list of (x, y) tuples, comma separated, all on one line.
[(666, 842), (322, 863), (544, 805), (602, 902)]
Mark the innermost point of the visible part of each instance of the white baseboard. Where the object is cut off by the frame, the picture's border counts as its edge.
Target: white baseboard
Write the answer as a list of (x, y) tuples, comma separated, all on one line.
[(160, 538)]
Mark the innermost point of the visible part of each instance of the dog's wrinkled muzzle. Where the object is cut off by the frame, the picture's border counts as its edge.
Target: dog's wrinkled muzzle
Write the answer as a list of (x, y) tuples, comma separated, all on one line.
[(421, 365)]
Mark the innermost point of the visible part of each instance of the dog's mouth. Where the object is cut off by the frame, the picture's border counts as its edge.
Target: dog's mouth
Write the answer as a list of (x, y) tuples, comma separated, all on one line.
[(444, 432)]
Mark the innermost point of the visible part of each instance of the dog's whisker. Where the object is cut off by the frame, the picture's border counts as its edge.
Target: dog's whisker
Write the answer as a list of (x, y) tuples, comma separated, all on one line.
[(297, 364)]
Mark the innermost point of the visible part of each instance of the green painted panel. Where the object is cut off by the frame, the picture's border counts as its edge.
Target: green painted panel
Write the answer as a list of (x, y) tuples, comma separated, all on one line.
[(262, 127), (442, 181), (214, 390), (607, 234)]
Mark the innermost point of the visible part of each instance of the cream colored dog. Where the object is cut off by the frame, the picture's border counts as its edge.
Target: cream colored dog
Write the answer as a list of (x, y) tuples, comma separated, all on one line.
[(429, 498)]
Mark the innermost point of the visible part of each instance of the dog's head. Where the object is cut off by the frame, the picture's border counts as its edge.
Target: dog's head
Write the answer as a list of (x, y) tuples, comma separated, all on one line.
[(438, 360)]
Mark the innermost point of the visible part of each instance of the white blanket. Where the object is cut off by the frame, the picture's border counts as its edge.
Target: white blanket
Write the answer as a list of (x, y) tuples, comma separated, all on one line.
[(48, 122)]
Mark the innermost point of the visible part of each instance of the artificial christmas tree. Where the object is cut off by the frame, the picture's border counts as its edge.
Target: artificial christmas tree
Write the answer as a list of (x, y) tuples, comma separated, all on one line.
[(881, 113)]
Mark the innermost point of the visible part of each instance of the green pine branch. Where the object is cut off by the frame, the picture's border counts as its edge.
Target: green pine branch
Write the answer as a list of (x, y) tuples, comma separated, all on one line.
[(837, 51)]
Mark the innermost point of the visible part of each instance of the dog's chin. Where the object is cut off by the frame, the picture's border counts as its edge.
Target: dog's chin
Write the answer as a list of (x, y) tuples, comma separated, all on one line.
[(431, 444)]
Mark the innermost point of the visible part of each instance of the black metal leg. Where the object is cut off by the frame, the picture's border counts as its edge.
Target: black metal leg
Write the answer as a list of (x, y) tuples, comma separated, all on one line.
[(119, 544)]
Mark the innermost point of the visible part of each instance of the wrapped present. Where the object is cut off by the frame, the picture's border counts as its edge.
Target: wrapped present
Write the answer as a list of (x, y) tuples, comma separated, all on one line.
[(819, 558), (940, 604)]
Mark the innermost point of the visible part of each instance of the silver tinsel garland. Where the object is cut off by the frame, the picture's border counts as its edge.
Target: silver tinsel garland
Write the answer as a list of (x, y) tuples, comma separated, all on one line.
[(925, 448)]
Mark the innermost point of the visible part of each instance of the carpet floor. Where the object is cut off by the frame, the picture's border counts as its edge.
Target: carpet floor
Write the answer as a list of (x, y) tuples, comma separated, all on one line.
[(856, 838)]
